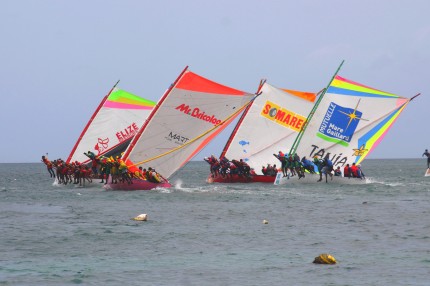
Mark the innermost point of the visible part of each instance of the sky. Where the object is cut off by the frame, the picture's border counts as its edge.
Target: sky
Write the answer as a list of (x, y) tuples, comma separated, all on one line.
[(59, 58)]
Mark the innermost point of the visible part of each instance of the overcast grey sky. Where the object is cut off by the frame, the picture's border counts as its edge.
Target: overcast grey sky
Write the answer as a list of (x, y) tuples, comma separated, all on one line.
[(59, 58)]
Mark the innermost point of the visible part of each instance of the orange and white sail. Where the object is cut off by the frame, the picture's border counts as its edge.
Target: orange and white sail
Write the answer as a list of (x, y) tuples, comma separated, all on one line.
[(269, 125), (188, 116)]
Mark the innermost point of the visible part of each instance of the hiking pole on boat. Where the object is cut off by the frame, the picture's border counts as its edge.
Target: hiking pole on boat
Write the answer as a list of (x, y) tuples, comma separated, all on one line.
[(311, 114)]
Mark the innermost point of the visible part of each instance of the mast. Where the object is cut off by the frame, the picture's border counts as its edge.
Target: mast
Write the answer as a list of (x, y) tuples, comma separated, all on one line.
[(89, 122), (412, 98), (311, 114), (239, 123)]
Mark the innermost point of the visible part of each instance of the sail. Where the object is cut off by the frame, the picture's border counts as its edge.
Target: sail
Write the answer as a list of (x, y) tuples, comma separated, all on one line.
[(349, 122), (269, 125), (112, 126), (190, 114)]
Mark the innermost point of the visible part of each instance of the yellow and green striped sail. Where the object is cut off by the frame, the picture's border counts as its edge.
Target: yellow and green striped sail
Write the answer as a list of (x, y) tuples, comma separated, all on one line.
[(349, 122)]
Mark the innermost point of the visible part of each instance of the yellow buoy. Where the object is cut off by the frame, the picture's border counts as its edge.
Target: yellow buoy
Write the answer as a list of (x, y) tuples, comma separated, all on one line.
[(141, 217), (325, 259)]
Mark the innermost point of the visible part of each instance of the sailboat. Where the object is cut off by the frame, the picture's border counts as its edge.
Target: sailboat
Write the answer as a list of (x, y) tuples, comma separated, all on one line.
[(114, 123), (346, 124), (268, 125), (188, 116)]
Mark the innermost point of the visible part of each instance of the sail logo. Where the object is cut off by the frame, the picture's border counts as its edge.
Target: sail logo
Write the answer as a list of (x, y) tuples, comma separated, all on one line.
[(101, 145), (282, 116), (177, 138), (127, 132), (360, 151), (339, 124), (197, 113), (244, 150)]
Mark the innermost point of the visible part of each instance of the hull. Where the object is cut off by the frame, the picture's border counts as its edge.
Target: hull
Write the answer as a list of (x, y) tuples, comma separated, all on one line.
[(427, 173), (82, 184), (138, 185), (313, 179), (241, 179)]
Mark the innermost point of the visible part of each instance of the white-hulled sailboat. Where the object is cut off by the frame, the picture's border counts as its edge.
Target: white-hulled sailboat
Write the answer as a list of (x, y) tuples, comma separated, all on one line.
[(347, 122)]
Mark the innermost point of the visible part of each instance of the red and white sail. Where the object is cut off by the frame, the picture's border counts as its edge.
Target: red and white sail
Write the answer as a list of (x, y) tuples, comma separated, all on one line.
[(189, 115)]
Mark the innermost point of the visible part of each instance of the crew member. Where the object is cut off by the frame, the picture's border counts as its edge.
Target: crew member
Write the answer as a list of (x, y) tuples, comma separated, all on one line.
[(426, 153)]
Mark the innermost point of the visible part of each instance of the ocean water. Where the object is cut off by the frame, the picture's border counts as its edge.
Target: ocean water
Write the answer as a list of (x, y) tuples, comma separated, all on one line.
[(212, 234)]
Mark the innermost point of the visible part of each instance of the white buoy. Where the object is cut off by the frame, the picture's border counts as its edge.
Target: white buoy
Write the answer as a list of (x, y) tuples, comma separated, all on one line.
[(141, 217)]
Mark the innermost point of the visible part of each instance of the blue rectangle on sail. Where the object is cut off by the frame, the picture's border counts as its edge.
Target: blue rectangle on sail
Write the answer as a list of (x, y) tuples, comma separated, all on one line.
[(339, 122)]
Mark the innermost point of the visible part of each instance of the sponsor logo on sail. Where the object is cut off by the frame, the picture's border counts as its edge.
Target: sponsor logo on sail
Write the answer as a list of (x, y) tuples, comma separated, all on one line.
[(339, 124), (360, 151), (127, 132), (177, 138), (101, 145), (283, 116), (198, 113), (338, 159)]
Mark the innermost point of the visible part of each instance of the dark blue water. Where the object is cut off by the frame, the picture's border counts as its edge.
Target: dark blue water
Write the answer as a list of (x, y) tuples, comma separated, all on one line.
[(212, 234)]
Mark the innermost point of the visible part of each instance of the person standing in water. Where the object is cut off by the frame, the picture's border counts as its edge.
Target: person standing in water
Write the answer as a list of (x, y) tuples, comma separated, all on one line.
[(426, 153)]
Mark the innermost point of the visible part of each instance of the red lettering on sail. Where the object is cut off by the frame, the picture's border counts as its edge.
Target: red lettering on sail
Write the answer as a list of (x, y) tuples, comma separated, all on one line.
[(127, 132), (199, 114)]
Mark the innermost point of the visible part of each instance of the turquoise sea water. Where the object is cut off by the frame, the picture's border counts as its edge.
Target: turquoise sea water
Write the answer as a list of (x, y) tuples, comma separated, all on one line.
[(212, 234)]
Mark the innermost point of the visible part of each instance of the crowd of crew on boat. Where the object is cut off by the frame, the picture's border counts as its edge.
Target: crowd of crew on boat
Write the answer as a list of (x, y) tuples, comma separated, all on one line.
[(99, 167), (117, 170), (291, 165)]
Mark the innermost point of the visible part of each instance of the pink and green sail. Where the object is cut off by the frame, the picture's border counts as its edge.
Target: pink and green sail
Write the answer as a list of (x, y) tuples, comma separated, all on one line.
[(117, 119), (121, 99)]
